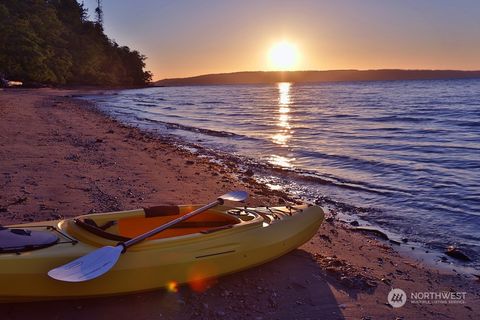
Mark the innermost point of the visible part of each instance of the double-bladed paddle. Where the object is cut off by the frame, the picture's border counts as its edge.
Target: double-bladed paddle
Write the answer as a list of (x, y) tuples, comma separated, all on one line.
[(100, 261)]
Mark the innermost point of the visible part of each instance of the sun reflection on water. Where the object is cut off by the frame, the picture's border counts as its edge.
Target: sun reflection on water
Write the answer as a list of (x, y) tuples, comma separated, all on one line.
[(283, 135), (281, 161), (284, 91), (284, 101)]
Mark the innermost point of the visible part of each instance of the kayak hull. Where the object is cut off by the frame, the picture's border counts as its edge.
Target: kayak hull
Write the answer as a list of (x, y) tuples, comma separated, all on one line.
[(156, 263)]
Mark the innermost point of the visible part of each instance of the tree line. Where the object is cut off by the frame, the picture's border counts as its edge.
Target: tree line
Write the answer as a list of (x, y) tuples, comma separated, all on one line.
[(53, 42)]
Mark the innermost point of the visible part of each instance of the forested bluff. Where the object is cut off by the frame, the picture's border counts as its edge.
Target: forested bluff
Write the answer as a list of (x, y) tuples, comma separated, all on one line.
[(55, 43)]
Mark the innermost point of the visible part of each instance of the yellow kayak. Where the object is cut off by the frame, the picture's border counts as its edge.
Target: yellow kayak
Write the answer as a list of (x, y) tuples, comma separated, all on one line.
[(219, 241)]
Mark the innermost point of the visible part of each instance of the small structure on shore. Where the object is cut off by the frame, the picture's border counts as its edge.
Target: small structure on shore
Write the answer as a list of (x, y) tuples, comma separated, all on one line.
[(14, 83), (4, 83)]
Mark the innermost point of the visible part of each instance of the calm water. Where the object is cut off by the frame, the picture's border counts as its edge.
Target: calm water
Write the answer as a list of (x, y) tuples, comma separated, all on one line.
[(410, 149)]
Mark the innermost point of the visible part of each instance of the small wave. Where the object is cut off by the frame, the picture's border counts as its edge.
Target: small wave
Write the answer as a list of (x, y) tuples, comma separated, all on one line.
[(350, 184), (143, 104), (468, 124), (213, 102), (340, 116), (344, 184), (397, 119), (358, 162), (172, 125), (390, 129)]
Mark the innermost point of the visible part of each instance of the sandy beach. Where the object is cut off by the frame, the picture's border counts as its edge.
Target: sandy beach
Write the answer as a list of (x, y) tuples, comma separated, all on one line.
[(60, 157)]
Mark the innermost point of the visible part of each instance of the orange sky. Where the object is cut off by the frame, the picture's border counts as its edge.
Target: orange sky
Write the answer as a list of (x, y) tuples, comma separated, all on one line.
[(185, 38)]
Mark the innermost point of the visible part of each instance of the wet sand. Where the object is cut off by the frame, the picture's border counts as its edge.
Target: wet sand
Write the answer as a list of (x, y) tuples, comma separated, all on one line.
[(59, 157)]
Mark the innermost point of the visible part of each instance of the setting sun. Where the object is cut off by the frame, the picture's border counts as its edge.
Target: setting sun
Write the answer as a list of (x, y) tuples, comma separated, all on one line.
[(283, 56)]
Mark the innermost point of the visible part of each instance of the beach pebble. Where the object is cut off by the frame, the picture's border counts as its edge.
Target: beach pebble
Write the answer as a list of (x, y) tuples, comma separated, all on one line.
[(325, 237), (72, 157), (249, 172)]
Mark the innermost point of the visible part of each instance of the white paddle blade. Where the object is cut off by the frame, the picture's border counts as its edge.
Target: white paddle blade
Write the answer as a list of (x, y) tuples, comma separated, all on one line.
[(234, 196), (89, 266)]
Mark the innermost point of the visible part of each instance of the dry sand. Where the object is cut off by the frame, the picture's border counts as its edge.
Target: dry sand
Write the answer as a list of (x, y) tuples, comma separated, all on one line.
[(59, 157)]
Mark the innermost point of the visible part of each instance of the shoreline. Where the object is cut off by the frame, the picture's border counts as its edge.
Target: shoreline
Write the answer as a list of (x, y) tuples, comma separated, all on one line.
[(61, 159), (292, 185)]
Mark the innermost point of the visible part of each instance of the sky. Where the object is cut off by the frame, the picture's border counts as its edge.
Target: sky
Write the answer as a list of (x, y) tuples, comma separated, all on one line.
[(192, 37)]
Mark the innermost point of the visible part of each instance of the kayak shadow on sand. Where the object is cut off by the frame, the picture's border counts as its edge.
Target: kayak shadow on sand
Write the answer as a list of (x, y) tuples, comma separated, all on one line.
[(292, 286)]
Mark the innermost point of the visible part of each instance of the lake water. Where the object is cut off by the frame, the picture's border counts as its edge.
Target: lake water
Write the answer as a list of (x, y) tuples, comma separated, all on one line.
[(408, 149)]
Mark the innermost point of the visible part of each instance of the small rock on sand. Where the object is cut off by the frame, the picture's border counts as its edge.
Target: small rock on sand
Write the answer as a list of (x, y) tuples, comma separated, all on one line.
[(456, 253)]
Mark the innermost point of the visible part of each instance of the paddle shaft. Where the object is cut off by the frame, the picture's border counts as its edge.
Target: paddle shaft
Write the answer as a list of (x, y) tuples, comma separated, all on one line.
[(167, 225)]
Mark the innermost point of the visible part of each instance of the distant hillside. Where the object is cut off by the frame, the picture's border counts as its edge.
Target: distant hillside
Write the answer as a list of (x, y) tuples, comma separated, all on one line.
[(252, 77)]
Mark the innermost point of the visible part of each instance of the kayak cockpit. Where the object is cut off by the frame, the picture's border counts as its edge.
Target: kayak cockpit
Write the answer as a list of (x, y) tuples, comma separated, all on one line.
[(123, 226)]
